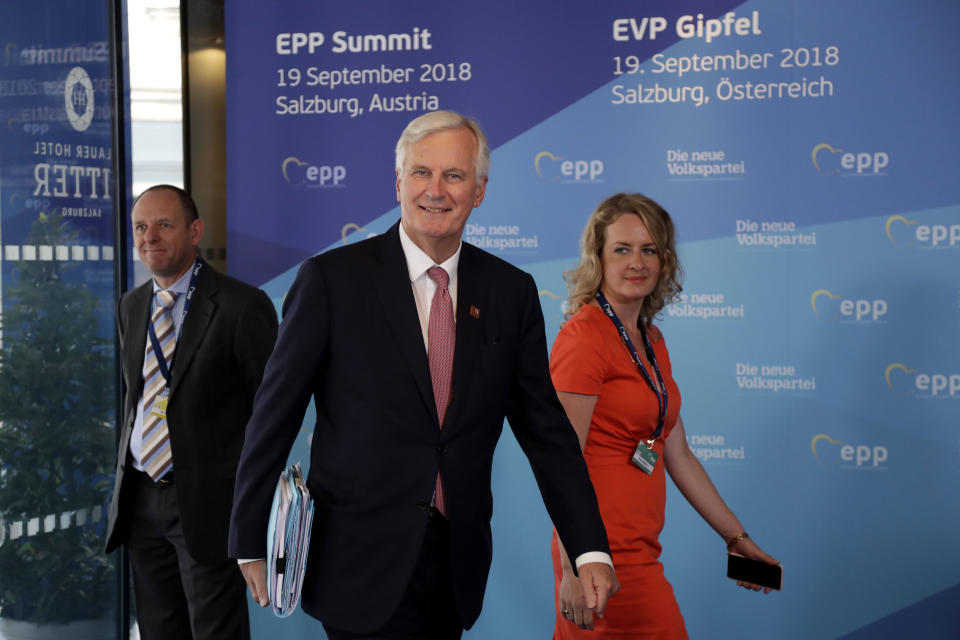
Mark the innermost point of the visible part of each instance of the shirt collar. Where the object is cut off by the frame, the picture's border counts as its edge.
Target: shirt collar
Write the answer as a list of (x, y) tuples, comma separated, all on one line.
[(418, 261)]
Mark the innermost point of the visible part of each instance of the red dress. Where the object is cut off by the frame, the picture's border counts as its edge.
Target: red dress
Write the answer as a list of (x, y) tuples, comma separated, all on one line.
[(589, 358)]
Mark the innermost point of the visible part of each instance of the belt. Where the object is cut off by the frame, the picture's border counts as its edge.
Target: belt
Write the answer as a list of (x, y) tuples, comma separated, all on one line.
[(145, 480)]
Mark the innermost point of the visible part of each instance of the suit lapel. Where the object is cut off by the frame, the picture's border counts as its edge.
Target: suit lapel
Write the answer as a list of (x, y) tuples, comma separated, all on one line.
[(471, 296), (135, 335), (396, 296), (195, 324)]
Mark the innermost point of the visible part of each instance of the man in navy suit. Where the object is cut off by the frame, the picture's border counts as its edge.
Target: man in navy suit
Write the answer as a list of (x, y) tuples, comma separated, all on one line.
[(401, 542)]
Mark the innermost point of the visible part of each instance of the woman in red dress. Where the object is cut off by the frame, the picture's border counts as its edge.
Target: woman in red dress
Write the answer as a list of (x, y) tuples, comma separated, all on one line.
[(612, 372)]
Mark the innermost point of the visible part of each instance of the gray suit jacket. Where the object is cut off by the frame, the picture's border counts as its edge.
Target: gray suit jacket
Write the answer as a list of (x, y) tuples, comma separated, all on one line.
[(224, 344)]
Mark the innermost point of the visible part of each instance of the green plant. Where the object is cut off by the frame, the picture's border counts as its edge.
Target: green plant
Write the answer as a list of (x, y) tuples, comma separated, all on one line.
[(56, 440)]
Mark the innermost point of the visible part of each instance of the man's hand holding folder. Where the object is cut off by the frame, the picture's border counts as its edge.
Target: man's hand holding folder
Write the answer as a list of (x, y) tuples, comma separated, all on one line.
[(255, 573), (278, 580)]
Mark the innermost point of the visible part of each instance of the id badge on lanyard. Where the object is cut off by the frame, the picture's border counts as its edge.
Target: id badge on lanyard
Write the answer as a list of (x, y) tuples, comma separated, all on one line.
[(159, 408), (644, 456)]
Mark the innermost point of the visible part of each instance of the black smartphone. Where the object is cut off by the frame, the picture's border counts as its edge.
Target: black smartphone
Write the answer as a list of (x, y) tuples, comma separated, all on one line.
[(754, 571)]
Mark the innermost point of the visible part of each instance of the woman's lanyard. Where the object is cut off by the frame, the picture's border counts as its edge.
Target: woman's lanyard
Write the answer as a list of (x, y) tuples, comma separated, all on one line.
[(157, 349), (645, 459)]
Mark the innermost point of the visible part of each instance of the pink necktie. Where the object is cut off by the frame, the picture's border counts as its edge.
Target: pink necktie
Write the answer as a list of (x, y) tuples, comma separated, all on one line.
[(441, 339)]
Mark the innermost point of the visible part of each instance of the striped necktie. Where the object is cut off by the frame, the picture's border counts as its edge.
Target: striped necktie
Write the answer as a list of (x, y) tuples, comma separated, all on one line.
[(155, 449)]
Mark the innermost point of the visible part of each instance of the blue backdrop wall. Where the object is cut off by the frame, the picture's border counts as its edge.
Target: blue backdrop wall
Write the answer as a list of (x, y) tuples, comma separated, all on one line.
[(807, 153)]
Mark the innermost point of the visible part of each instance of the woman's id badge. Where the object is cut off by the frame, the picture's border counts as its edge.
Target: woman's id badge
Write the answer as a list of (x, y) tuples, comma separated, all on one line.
[(645, 457)]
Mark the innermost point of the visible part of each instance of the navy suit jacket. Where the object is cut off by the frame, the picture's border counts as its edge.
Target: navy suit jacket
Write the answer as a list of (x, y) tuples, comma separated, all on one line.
[(224, 344), (351, 340)]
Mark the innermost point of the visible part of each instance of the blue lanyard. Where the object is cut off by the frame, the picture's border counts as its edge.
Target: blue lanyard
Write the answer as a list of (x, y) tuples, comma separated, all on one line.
[(155, 342), (660, 392)]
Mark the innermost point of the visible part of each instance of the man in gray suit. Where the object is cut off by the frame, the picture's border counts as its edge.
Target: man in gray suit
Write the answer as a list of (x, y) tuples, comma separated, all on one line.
[(194, 344)]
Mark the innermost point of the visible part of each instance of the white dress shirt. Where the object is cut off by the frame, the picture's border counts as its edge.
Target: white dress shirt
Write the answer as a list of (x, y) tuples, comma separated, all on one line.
[(418, 262)]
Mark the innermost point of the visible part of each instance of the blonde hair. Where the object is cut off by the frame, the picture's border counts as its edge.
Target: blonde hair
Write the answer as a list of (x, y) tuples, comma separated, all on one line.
[(584, 281)]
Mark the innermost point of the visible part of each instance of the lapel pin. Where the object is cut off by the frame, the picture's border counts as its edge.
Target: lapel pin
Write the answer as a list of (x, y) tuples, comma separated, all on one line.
[(474, 311)]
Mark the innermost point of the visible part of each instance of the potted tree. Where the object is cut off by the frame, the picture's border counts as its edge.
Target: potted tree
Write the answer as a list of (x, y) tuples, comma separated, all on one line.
[(56, 448)]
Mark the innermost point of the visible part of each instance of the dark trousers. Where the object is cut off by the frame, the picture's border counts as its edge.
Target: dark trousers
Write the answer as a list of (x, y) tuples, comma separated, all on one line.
[(176, 596), (428, 610)]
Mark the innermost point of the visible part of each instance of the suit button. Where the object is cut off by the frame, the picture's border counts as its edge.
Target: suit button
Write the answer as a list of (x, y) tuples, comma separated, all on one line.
[(441, 448), (423, 505)]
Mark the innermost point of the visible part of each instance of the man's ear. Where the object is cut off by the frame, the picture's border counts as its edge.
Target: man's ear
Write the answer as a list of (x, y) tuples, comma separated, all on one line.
[(196, 232), (481, 191)]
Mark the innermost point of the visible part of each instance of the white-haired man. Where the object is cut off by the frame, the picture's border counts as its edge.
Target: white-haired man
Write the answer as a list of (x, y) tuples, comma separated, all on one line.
[(415, 347)]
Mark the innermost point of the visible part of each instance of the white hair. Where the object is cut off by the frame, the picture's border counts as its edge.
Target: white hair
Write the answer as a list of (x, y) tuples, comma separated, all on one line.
[(422, 126)]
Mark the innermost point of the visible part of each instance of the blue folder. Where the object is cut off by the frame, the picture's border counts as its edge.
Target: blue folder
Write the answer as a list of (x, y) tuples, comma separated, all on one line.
[(288, 539)]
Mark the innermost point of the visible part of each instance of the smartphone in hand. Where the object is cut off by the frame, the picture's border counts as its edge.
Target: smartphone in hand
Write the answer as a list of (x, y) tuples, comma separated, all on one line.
[(754, 571)]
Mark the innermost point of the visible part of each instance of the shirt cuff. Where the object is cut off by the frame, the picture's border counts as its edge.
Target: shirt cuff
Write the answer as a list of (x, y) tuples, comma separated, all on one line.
[(593, 556), (248, 560)]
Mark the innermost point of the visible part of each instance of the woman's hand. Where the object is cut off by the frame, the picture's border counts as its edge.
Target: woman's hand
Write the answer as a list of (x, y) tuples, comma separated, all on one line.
[(572, 604), (748, 548), (695, 485)]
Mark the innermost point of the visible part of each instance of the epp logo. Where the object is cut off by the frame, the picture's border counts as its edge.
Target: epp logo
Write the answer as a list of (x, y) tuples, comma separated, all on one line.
[(831, 161), (852, 310), (907, 233), (352, 232), (904, 381), (298, 173), (564, 303), (32, 128), (830, 452), (550, 167)]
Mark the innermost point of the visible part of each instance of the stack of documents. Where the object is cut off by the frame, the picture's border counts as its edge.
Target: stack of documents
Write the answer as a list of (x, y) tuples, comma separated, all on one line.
[(288, 538)]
